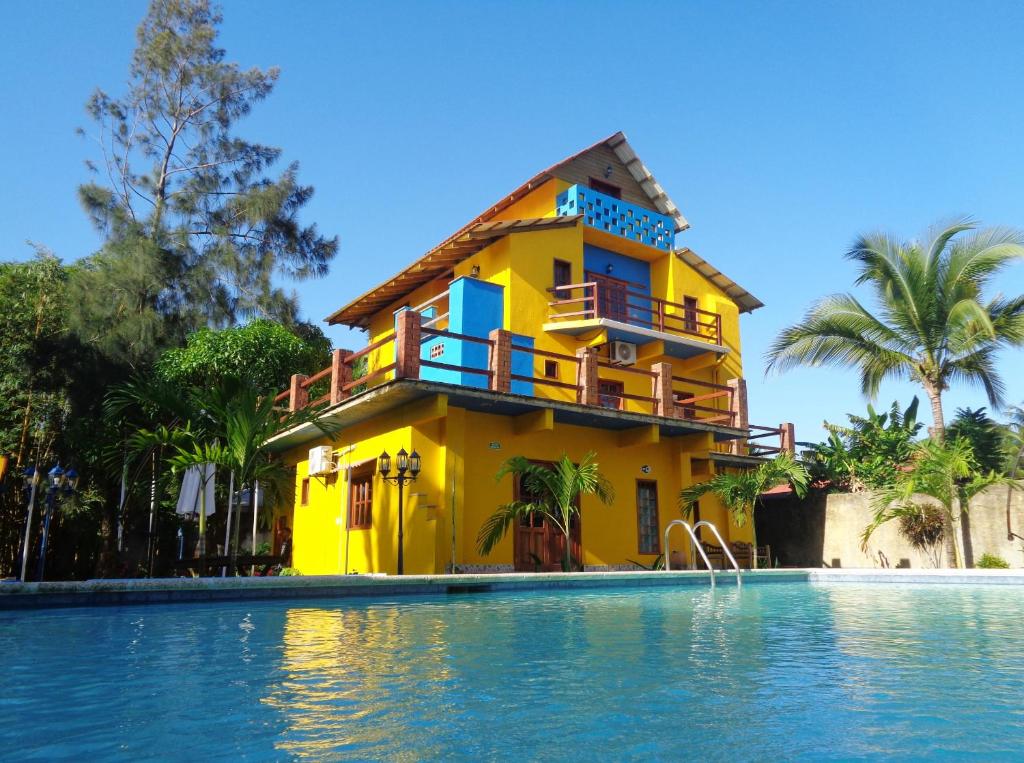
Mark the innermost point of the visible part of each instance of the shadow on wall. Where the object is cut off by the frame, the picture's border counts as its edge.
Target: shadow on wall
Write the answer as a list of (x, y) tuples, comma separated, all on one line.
[(794, 528)]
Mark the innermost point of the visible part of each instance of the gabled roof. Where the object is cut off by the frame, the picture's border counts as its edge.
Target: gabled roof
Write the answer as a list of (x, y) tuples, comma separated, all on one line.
[(438, 261), (479, 232), (746, 301)]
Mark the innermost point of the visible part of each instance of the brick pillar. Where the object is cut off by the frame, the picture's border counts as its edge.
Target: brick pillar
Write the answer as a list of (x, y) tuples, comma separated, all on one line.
[(587, 377), (298, 397), (738, 409), (499, 360), (407, 344), (787, 438), (341, 374), (664, 400)]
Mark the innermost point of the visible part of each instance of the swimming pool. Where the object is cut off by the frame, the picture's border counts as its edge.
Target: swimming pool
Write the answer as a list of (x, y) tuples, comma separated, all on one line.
[(790, 670)]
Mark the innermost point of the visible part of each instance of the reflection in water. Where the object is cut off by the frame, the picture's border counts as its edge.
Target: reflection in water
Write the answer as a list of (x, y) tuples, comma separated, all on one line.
[(769, 671)]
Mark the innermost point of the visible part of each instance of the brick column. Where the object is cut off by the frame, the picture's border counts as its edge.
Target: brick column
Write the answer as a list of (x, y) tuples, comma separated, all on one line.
[(587, 380), (787, 438), (341, 374), (297, 396), (407, 345), (738, 409), (499, 360), (661, 384)]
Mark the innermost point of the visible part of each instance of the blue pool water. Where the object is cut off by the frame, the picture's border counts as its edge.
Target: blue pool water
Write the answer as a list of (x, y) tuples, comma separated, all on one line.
[(770, 671)]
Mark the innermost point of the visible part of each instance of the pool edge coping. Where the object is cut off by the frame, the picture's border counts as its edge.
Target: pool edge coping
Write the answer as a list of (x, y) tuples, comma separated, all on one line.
[(16, 596)]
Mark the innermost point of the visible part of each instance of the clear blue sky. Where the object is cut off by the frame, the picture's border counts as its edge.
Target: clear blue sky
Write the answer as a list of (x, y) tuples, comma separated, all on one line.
[(780, 129)]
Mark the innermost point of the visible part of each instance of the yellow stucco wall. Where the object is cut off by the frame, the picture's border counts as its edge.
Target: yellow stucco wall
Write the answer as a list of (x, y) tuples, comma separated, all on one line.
[(445, 508)]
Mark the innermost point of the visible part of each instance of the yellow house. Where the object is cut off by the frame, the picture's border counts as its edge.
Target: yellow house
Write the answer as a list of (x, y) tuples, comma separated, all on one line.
[(563, 319)]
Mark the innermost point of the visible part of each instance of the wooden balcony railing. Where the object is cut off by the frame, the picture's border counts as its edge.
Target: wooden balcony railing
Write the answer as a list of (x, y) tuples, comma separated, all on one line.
[(596, 382), (615, 300)]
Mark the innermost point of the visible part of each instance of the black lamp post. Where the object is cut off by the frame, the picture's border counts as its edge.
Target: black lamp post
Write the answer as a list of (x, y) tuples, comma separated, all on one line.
[(408, 470), (61, 483)]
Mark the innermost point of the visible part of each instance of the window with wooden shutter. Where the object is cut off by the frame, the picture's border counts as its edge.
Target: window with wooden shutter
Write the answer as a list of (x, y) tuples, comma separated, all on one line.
[(647, 517), (360, 507)]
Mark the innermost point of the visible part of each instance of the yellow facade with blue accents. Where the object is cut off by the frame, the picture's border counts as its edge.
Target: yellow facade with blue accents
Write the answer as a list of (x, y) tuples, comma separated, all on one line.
[(615, 340)]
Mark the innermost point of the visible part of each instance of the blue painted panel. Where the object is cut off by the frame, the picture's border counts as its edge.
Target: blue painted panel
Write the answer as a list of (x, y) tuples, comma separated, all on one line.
[(475, 308), (522, 365), (617, 216)]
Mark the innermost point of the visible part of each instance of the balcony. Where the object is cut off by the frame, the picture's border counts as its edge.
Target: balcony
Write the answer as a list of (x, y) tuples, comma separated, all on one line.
[(507, 363), (633, 316), (616, 216)]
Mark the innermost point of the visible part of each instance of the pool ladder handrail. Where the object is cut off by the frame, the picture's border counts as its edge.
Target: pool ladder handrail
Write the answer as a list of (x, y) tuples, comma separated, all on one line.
[(724, 546), (695, 541)]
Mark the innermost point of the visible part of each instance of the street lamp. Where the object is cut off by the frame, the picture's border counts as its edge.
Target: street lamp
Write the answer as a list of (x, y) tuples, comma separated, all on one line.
[(61, 483), (408, 470)]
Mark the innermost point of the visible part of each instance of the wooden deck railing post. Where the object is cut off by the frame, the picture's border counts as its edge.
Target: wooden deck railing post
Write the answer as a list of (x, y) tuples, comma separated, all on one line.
[(718, 329), (787, 438), (661, 383), (587, 379), (341, 374), (298, 396), (499, 360), (407, 344), (738, 411)]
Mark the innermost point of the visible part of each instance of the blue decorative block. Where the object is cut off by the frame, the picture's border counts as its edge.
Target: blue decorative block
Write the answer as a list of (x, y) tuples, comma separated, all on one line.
[(617, 216)]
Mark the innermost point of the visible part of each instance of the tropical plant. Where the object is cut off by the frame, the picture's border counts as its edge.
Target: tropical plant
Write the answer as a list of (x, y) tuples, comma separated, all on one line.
[(931, 324), (992, 562), (553, 491), (740, 491), (945, 472), (867, 453), (262, 352), (657, 564), (231, 425), (985, 436)]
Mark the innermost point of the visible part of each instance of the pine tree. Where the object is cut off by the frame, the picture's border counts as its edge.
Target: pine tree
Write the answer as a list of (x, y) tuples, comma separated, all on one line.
[(196, 227)]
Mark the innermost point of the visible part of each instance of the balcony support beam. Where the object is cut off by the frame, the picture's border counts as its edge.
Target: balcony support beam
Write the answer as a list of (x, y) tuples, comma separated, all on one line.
[(648, 434), (534, 421)]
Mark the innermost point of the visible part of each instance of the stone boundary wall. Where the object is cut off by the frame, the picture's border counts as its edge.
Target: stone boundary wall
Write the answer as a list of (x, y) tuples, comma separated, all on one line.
[(824, 530)]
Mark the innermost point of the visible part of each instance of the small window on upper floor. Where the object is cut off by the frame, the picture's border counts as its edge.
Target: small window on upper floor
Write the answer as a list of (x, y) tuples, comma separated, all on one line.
[(606, 188), (551, 369), (562, 275)]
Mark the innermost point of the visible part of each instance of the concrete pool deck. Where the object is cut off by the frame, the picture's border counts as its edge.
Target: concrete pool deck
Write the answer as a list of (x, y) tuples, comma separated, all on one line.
[(87, 593)]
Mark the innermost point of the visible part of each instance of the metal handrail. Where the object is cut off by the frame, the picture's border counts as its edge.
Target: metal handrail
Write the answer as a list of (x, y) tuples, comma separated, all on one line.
[(696, 544), (725, 548)]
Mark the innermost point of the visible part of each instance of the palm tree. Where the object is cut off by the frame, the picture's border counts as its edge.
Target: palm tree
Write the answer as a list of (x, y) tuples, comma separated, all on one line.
[(947, 472), (930, 326), (231, 425), (740, 491), (553, 491)]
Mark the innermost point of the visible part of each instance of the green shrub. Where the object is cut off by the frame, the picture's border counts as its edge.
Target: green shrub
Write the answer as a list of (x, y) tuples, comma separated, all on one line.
[(289, 572), (992, 562)]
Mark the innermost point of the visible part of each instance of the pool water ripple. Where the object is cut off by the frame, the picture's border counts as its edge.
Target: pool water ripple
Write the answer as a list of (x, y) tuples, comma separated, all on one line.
[(783, 670)]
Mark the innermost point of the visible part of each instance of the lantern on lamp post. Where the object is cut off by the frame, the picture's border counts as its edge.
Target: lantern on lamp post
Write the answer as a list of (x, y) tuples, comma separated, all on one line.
[(407, 470)]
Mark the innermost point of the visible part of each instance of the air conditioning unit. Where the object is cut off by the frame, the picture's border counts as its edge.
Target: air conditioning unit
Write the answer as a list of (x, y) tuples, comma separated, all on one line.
[(320, 461), (622, 353)]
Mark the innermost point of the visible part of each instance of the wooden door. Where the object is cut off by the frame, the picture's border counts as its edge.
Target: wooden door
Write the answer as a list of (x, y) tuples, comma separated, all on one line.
[(612, 297), (538, 545)]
